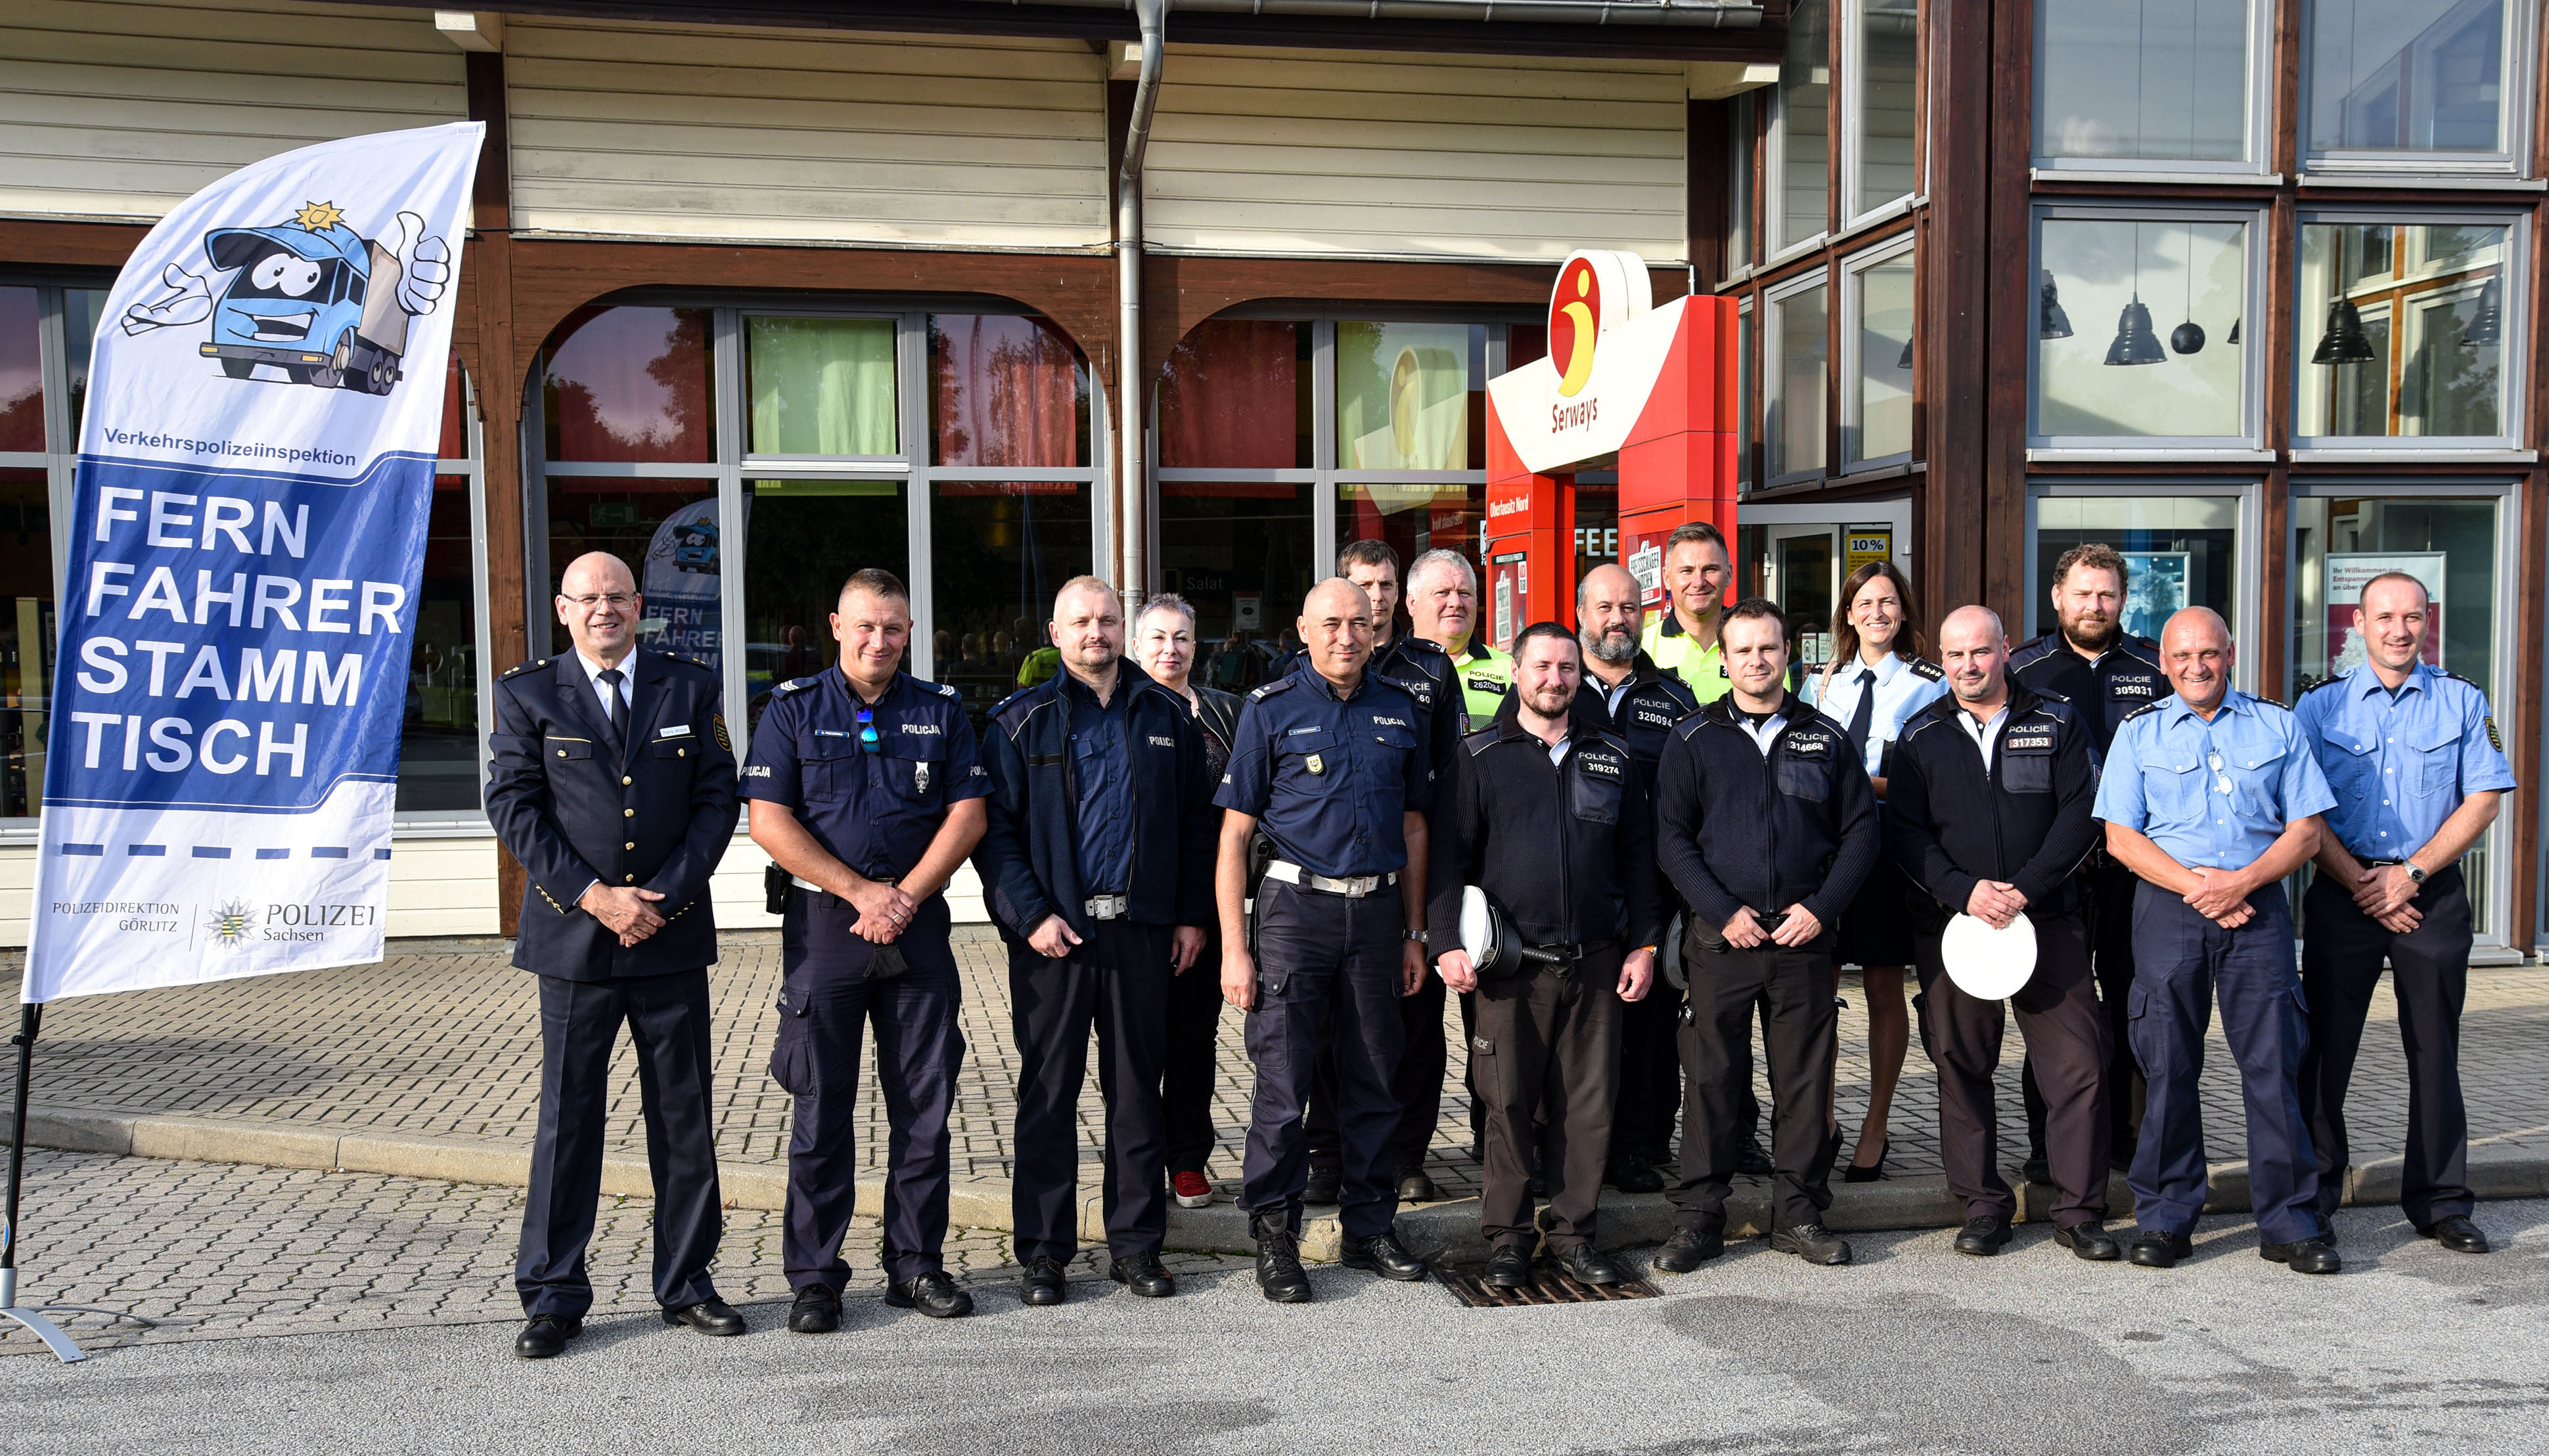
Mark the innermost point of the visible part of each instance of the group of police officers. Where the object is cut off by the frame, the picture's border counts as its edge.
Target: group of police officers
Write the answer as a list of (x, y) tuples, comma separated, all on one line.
[(1622, 847)]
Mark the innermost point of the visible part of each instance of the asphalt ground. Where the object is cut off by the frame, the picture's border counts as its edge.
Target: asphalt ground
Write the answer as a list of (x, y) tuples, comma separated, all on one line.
[(1912, 1348)]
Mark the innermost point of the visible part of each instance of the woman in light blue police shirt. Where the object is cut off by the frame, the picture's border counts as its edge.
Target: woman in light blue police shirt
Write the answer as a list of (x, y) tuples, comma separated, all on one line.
[(1875, 681)]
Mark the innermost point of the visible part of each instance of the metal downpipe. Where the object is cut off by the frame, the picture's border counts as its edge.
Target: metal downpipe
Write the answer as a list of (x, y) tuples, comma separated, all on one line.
[(1132, 497)]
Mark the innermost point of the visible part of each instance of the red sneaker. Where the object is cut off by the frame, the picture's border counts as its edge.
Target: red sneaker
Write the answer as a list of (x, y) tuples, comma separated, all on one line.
[(1194, 1189)]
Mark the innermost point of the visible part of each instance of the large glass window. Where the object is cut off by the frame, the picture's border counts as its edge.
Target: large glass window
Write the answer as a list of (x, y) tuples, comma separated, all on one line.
[(2150, 86), (22, 373), (1799, 373), (998, 551), (801, 540), (2173, 366), (630, 384), (1876, 420), (2449, 543), (2179, 549), (438, 760), (1235, 395), (1880, 67), (1801, 129), (2404, 329), (2394, 78), (27, 637), (667, 532), (1005, 390), (1739, 184), (1242, 551), (1409, 395), (822, 387)]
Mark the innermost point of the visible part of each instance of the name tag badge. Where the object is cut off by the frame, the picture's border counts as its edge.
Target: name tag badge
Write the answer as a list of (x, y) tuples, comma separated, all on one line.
[(1315, 763), (2121, 690), (678, 730), (2033, 743)]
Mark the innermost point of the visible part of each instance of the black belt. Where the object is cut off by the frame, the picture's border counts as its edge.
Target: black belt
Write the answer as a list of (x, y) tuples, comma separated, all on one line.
[(1582, 951)]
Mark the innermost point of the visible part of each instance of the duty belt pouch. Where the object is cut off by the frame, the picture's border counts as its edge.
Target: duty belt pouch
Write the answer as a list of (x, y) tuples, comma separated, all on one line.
[(885, 962), (1261, 852), (774, 885)]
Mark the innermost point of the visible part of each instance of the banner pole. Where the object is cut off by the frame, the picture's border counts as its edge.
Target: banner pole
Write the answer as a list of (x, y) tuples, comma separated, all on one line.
[(31, 1016)]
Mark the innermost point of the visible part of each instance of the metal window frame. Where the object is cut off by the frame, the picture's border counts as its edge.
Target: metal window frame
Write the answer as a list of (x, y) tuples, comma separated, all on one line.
[(2248, 571), (2511, 158), (2253, 219), (1856, 211), (2259, 124), (1774, 298), (1774, 167), (2504, 660), (467, 823), (1852, 292), (2516, 306)]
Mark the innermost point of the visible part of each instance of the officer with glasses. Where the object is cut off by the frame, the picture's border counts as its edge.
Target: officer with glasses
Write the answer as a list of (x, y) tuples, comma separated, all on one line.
[(867, 794)]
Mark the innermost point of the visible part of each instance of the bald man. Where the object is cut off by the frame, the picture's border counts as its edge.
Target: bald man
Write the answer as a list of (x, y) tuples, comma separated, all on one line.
[(1989, 801), (2212, 797), (613, 785)]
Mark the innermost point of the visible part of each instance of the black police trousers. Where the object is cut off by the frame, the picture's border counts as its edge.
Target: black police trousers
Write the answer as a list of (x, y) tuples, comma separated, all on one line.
[(1424, 1059), (1800, 1030), (1327, 974), (2341, 956), (1546, 1057), (826, 1000), (2067, 1036), (668, 1021), (2109, 915), (1650, 1092), (1189, 1074), (1117, 980)]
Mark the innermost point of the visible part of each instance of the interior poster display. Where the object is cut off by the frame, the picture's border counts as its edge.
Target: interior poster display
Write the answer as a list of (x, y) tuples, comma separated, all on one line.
[(1862, 545), (1506, 589), (2154, 591), (2348, 571)]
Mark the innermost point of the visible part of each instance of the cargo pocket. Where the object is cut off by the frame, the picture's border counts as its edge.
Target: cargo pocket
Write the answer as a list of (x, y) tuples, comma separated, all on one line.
[(792, 1060)]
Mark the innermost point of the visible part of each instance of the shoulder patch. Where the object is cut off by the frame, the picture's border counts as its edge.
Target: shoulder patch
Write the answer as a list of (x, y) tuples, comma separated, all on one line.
[(2329, 681), (2150, 708), (520, 670), (943, 690), (1922, 667), (1478, 741), (797, 685), (717, 724), (2493, 741), (1266, 690)]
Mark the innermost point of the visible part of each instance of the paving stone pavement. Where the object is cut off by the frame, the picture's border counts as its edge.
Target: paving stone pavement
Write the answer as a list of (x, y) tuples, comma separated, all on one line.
[(443, 1040), (225, 1249)]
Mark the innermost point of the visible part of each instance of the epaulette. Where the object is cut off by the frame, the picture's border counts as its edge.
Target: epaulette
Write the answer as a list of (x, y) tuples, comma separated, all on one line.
[(1479, 740), (2276, 704), (1001, 710), (1605, 735), (1413, 643), (1264, 690), (1926, 718), (2448, 673), (2330, 682), (795, 684), (515, 672), (687, 660), (2064, 698), (1922, 667), (2150, 708), (943, 690)]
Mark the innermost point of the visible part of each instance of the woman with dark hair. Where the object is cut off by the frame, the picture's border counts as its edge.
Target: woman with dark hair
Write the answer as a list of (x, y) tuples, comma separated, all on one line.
[(1875, 681)]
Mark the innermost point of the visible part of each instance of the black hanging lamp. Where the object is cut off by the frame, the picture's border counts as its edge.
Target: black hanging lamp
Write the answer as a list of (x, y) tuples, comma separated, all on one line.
[(1906, 361), (2235, 330), (2344, 342), (2050, 321), (2135, 343), (2187, 337), (2487, 326)]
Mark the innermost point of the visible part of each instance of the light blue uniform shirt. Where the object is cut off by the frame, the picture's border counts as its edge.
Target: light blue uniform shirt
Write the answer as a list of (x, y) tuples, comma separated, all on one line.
[(2212, 795), (2399, 767), (1901, 689)]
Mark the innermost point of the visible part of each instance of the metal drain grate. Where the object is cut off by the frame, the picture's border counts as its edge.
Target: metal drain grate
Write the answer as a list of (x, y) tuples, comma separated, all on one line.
[(1547, 1287)]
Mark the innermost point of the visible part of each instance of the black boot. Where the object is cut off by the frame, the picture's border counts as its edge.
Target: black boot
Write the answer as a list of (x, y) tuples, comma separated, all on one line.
[(1279, 1260)]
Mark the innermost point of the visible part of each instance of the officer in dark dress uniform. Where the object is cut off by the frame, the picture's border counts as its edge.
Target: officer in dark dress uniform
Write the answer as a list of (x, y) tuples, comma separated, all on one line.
[(1331, 762), (1624, 695), (613, 784), (1766, 823), (868, 794), (1097, 866), (2411, 753), (2104, 672), (1549, 818)]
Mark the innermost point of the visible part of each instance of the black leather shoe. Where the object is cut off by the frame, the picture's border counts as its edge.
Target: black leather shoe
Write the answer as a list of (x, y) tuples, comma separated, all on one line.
[(1040, 1281), (2153, 1250), (1508, 1266), (1323, 1184), (1381, 1254), (1751, 1160), (1538, 1187), (932, 1294), (1586, 1264), (1812, 1242), (2312, 1255), (1688, 1248), (2456, 1233), (1144, 1274), (2036, 1170), (1631, 1173), (2090, 1241), (545, 1335), (817, 1309), (1415, 1187), (707, 1317), (1983, 1236), (1873, 1171), (1278, 1260), (2119, 1157)]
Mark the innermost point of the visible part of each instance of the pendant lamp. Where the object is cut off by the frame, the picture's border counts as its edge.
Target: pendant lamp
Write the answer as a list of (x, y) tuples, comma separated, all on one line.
[(2344, 342), (2135, 343), (2187, 337), (2487, 326), (2050, 321), (1906, 361), (2235, 330)]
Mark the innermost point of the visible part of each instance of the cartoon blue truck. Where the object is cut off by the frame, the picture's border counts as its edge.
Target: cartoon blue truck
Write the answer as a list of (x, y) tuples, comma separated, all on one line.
[(322, 303)]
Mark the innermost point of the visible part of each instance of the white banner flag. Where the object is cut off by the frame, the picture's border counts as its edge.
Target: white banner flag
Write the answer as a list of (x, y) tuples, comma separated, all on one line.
[(247, 531)]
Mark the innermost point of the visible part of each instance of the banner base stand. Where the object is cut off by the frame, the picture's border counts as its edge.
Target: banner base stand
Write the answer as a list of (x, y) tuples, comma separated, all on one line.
[(32, 1317)]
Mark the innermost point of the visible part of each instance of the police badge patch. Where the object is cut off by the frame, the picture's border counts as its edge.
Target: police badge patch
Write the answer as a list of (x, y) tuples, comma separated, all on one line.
[(1315, 763), (717, 724), (2493, 741)]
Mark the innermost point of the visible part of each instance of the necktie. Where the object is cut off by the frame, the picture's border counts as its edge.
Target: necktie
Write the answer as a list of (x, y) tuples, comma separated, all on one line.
[(1861, 720), (611, 678)]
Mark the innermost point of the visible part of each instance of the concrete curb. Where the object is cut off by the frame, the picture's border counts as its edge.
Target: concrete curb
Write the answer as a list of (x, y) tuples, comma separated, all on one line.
[(1447, 1230)]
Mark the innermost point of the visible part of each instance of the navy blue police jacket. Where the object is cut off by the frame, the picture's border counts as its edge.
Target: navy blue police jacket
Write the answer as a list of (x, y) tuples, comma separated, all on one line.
[(1652, 701), (657, 816), (2023, 821), (2125, 679), (1568, 848), (1028, 860), (1735, 827)]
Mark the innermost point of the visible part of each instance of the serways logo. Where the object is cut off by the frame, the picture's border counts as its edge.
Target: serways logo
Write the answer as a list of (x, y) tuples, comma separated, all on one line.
[(1596, 289)]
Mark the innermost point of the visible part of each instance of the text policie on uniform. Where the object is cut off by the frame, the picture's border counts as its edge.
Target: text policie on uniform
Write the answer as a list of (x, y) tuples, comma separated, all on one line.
[(115, 666)]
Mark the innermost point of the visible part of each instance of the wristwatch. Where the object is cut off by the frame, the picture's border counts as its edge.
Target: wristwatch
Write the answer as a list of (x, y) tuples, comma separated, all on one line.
[(1417, 936), (2415, 872)]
